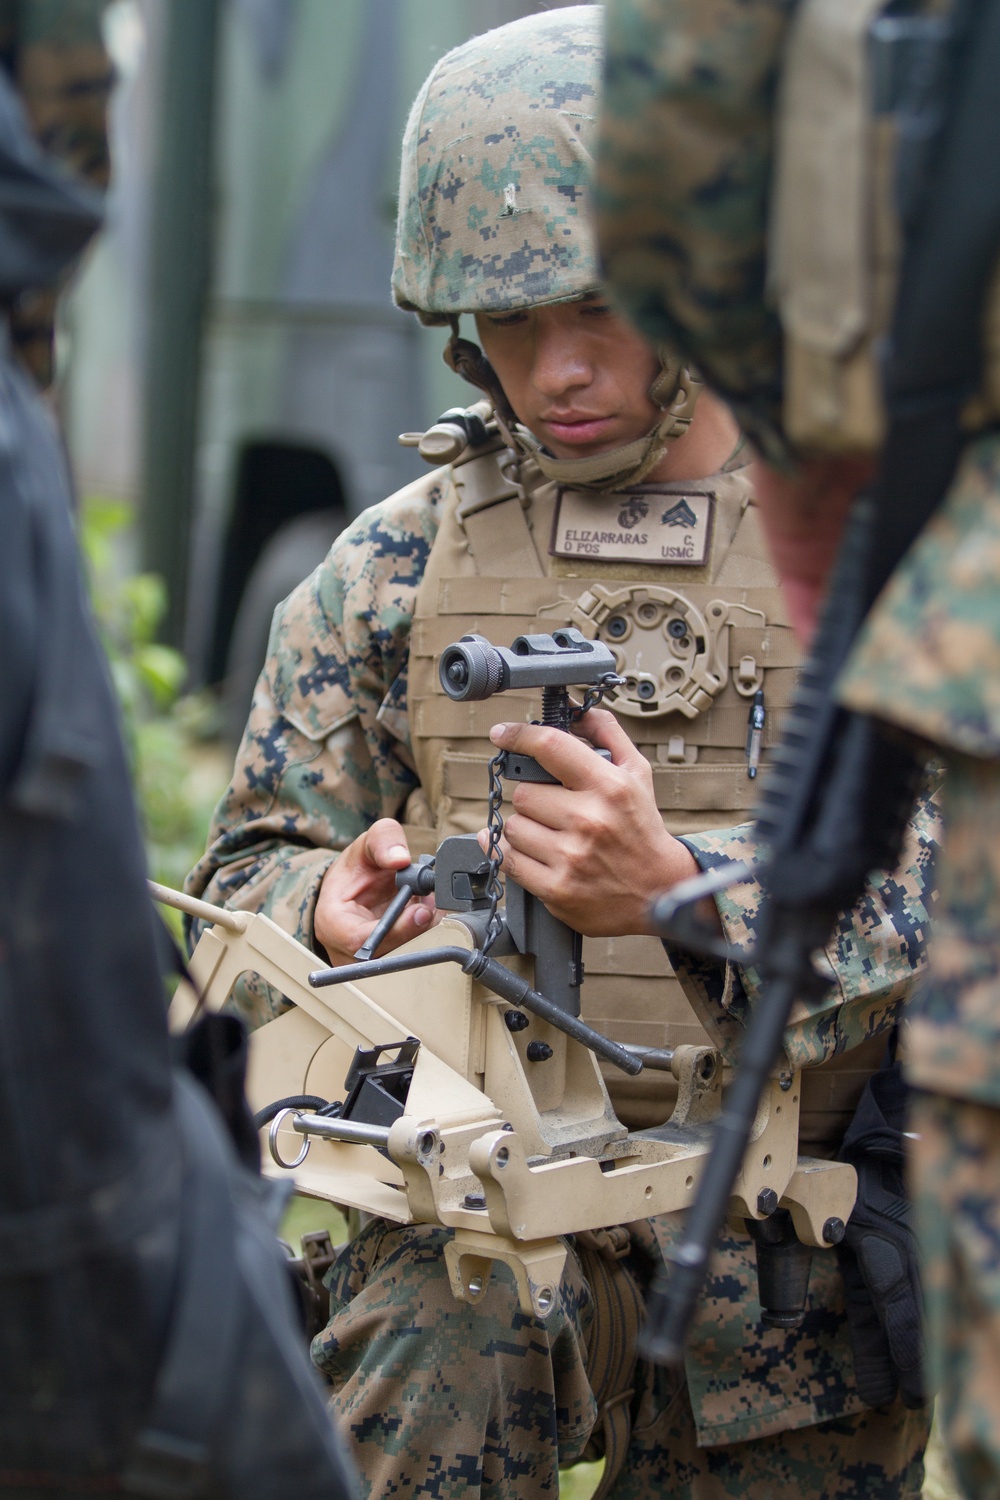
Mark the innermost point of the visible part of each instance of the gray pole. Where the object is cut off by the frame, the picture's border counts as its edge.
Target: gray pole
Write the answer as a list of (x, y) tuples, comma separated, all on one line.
[(180, 229)]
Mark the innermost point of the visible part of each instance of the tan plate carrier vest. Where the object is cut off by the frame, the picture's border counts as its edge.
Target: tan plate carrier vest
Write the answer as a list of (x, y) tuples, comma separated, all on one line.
[(490, 571)]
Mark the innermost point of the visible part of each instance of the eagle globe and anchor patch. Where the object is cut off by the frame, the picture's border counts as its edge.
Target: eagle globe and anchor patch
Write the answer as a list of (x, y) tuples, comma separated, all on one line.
[(644, 525)]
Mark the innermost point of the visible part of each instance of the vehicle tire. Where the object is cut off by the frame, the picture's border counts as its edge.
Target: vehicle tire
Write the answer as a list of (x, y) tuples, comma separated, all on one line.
[(290, 555)]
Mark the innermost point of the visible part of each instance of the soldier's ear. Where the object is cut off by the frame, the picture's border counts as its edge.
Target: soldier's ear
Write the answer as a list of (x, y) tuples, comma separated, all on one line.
[(469, 361)]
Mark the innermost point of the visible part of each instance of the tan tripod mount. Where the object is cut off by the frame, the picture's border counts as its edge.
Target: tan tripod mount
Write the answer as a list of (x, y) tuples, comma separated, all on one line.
[(508, 1153)]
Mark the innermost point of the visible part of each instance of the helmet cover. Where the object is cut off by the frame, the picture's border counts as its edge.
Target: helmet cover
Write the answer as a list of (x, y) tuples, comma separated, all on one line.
[(496, 171)]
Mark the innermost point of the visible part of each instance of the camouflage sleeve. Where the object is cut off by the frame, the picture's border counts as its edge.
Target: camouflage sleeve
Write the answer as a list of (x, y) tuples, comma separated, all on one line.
[(873, 958), (326, 748), (682, 184), (928, 655)]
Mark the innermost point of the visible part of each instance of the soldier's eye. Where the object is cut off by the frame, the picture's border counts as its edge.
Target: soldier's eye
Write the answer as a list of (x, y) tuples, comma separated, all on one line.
[(595, 309), (506, 320)]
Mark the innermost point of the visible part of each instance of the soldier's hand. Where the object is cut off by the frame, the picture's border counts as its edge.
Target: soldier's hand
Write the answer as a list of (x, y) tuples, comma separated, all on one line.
[(879, 1255), (358, 887), (593, 849)]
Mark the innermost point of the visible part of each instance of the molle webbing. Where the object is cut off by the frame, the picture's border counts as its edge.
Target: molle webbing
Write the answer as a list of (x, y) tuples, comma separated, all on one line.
[(485, 482), (709, 788), (475, 581)]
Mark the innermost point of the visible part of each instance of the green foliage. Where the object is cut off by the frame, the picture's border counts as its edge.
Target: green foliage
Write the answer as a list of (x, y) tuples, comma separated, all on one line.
[(939, 1481), (164, 730), (306, 1215), (580, 1482)]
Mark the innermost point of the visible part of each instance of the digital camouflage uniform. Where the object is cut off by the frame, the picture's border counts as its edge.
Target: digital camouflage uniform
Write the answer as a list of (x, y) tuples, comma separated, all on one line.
[(686, 254), (443, 1398), (326, 752), (682, 184), (929, 660)]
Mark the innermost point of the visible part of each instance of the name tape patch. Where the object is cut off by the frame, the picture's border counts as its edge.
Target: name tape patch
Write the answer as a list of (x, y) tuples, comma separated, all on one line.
[(671, 530)]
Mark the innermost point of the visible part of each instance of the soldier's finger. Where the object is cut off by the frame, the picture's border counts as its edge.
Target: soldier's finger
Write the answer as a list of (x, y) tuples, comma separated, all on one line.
[(354, 881), (602, 730), (534, 840), (535, 877), (554, 807), (570, 759), (342, 930), (416, 918), (385, 845)]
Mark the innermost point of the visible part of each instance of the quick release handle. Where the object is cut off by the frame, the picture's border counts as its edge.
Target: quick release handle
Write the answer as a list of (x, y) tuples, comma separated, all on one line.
[(415, 880), (471, 670)]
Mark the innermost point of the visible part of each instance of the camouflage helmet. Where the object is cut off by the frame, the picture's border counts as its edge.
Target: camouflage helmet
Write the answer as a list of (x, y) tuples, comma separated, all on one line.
[(496, 172), (494, 211)]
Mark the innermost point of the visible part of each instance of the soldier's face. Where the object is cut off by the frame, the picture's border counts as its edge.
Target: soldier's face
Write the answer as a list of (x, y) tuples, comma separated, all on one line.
[(575, 374)]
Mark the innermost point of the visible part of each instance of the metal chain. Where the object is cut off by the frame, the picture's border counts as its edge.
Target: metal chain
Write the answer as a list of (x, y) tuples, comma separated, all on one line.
[(494, 825), (494, 819), (593, 695)]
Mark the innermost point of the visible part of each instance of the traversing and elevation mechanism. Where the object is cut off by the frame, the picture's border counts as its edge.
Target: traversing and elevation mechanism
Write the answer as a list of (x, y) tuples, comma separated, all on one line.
[(453, 1082)]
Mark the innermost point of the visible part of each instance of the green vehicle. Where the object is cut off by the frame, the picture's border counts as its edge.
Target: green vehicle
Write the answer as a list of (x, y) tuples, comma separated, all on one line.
[(243, 289)]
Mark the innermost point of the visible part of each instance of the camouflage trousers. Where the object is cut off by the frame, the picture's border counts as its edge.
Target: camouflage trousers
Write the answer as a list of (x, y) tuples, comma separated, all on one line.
[(953, 1057), (955, 1168), (460, 1402)]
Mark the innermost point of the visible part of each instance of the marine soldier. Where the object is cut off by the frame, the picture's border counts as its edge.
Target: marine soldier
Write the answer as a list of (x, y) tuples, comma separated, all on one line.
[(690, 263), (54, 55), (591, 492)]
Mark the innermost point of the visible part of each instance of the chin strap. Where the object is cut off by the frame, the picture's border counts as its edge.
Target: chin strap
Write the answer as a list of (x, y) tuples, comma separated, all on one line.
[(598, 471), (469, 361), (675, 390)]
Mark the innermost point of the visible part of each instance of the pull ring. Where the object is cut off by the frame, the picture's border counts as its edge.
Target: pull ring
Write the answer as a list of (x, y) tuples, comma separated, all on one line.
[(272, 1141)]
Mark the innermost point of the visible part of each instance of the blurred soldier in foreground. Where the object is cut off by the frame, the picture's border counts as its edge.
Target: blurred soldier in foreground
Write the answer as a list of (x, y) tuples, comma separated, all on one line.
[(589, 493), (884, 135), (148, 1344), (53, 52)]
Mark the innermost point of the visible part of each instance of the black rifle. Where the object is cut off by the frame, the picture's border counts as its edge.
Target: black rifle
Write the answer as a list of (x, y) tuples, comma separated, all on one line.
[(835, 804)]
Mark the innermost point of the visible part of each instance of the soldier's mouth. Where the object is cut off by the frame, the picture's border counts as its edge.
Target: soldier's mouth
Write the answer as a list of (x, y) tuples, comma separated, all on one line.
[(578, 432)]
